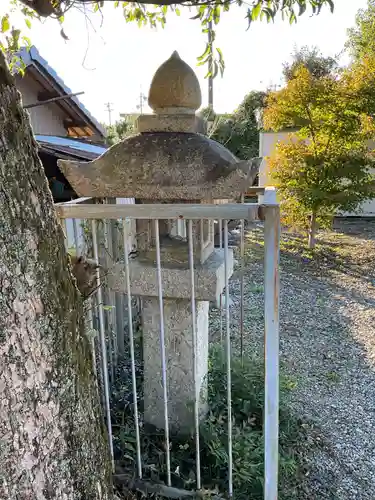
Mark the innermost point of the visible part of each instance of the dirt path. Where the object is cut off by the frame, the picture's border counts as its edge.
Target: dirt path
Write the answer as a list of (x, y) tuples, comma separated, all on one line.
[(327, 345)]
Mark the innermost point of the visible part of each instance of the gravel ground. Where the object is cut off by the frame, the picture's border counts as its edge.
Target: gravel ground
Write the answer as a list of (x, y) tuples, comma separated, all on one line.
[(327, 346)]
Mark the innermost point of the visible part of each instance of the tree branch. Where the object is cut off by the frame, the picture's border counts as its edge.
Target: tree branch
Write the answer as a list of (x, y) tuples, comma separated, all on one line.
[(148, 488), (46, 8)]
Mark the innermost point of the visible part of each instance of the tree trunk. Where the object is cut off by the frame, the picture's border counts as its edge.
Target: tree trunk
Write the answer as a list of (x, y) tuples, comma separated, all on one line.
[(312, 231), (52, 437)]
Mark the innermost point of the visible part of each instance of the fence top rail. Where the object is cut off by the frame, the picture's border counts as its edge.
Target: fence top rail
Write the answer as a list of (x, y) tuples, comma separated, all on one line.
[(255, 190), (248, 211)]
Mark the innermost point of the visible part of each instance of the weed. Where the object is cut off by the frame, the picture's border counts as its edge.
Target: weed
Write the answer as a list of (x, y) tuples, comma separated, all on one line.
[(247, 431), (333, 377)]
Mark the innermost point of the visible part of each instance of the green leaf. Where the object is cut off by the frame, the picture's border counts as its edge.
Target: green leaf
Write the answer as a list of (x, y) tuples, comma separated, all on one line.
[(5, 24), (302, 8), (256, 11), (270, 14), (198, 16), (221, 58), (205, 53), (108, 308), (26, 41), (202, 63), (249, 19), (216, 14), (28, 23), (216, 69)]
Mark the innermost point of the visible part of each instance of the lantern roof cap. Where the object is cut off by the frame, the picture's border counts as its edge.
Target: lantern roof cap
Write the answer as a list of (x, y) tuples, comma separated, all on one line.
[(175, 86)]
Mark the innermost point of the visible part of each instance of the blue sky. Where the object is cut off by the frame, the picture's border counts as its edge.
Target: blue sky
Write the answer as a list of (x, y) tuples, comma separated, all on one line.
[(112, 61)]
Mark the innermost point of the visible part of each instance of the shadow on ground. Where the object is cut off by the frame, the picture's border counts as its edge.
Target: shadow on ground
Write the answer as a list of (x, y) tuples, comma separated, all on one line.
[(327, 346)]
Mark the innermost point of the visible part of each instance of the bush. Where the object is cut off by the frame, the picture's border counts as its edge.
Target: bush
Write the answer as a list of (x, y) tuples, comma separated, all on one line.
[(247, 431)]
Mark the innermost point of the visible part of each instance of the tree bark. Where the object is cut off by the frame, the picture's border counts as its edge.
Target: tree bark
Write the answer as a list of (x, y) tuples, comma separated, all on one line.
[(312, 231), (52, 438)]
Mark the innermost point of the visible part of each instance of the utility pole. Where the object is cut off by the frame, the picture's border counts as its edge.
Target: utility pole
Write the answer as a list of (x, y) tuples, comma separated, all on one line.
[(142, 100), (210, 69), (274, 86), (109, 108)]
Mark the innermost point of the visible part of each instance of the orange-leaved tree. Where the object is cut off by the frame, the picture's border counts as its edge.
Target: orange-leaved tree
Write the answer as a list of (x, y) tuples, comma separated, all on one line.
[(326, 166)]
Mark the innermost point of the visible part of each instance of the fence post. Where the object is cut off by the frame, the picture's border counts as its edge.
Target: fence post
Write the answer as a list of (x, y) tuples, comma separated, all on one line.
[(271, 341)]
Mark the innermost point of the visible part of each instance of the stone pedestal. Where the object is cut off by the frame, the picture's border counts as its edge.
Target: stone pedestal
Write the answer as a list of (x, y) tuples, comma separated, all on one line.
[(179, 362), (176, 286)]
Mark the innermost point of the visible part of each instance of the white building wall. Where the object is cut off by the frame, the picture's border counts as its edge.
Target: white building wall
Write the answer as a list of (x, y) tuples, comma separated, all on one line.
[(267, 144), (45, 120)]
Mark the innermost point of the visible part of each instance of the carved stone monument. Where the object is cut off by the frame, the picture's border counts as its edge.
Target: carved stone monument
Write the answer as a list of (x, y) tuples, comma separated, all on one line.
[(168, 162)]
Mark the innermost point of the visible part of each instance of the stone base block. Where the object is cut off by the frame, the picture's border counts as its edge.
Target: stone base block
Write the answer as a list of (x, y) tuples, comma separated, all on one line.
[(168, 123), (179, 362), (176, 281)]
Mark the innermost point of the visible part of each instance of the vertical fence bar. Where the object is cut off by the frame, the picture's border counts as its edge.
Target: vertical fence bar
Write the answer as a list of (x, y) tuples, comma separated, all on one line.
[(112, 335), (228, 362), (90, 327), (75, 233), (162, 349), (103, 344), (242, 272), (97, 350), (120, 320), (221, 295), (89, 314), (112, 251), (64, 228), (271, 413), (119, 297), (131, 342), (195, 351)]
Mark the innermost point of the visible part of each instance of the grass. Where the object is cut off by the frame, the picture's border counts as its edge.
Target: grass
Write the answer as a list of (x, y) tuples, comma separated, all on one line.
[(247, 429)]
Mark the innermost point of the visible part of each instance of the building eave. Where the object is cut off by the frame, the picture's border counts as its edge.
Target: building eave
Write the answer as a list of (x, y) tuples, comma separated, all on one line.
[(32, 58), (64, 147)]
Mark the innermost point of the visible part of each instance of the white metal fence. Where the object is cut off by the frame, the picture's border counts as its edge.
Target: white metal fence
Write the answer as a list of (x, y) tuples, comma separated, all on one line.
[(107, 233)]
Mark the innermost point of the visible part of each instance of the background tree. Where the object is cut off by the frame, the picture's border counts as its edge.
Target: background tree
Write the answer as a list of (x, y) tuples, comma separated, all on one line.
[(325, 166), (239, 131), (207, 113), (313, 60), (243, 140), (121, 129), (361, 38)]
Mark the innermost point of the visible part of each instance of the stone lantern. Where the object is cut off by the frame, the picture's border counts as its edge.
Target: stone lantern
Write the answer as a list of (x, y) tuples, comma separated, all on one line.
[(168, 162)]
